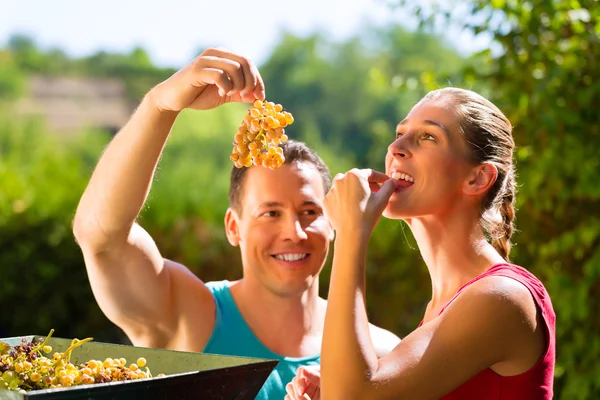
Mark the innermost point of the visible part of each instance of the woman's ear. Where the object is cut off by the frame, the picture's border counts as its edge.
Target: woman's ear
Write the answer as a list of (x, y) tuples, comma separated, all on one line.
[(232, 229), (480, 179)]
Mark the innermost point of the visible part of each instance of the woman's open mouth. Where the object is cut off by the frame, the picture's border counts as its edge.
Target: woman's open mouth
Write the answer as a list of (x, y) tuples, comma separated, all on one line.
[(404, 180)]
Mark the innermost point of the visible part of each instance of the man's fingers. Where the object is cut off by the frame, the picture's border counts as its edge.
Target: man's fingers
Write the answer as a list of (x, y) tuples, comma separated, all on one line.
[(299, 386), (291, 392), (311, 391), (312, 376), (253, 83), (259, 91), (231, 68), (317, 394), (212, 76), (312, 379)]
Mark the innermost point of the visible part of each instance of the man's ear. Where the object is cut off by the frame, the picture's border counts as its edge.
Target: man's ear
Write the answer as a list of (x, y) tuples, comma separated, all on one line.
[(480, 179), (232, 229)]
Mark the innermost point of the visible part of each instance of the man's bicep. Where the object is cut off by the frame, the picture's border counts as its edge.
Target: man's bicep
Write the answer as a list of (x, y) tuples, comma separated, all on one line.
[(132, 283)]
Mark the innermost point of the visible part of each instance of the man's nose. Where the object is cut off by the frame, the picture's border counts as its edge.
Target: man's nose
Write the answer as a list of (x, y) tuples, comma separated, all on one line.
[(294, 230)]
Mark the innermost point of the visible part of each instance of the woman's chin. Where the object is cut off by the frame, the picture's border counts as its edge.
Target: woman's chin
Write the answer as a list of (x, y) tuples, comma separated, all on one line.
[(395, 211), (390, 213)]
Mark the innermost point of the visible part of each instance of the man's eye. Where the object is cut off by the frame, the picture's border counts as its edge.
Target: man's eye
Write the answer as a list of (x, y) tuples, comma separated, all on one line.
[(270, 214), (310, 212), (398, 134), (429, 136)]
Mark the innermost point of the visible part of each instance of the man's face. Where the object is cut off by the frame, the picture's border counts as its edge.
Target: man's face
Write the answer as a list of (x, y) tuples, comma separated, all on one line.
[(282, 232)]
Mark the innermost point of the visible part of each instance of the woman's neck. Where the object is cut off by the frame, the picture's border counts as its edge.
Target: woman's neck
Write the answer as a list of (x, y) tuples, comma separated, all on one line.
[(455, 251)]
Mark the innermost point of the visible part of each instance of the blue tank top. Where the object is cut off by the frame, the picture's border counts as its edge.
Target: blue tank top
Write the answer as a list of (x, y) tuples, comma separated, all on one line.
[(232, 336)]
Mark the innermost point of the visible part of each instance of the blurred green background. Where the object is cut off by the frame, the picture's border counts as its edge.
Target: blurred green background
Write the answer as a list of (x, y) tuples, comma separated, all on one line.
[(58, 112)]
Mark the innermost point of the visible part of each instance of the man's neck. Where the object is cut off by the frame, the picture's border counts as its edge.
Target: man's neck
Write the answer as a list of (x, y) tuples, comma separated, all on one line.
[(288, 325)]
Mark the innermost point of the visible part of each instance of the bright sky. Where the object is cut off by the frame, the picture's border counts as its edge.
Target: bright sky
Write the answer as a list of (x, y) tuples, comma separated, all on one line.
[(172, 31)]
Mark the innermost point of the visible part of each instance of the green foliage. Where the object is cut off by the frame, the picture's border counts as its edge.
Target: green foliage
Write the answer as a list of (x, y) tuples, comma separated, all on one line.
[(349, 93), (43, 279), (42, 178), (134, 69), (12, 83), (544, 73)]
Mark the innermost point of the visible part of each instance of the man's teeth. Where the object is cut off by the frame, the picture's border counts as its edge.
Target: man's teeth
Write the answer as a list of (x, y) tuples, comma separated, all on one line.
[(400, 175), (291, 256)]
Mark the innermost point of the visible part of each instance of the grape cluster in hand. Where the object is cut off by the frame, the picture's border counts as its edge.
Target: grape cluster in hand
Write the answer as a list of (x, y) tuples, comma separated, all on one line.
[(258, 137), (24, 367)]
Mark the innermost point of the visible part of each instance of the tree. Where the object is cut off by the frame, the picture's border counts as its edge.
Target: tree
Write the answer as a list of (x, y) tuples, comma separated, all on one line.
[(349, 93), (12, 82)]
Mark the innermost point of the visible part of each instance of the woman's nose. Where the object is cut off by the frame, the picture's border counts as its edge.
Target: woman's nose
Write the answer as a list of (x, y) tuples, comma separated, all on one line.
[(398, 148)]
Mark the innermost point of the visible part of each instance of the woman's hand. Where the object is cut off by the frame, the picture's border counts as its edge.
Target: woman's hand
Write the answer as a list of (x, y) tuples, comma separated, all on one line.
[(357, 199)]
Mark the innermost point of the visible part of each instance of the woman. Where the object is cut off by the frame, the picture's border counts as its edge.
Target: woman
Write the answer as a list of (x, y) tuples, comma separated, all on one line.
[(489, 330)]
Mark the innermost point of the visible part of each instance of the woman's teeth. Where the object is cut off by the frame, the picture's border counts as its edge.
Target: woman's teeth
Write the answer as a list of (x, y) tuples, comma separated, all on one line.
[(403, 176)]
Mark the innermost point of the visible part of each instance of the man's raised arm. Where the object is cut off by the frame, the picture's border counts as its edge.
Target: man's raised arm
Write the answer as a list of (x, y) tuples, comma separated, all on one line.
[(132, 283)]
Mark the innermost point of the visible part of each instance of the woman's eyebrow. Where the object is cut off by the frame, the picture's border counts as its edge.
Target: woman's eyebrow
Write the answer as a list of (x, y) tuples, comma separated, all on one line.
[(426, 122)]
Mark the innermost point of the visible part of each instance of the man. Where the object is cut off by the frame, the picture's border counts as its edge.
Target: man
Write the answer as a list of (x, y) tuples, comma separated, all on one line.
[(275, 217)]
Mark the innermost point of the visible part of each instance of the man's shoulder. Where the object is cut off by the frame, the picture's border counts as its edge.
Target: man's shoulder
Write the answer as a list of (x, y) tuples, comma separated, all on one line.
[(218, 286), (383, 340)]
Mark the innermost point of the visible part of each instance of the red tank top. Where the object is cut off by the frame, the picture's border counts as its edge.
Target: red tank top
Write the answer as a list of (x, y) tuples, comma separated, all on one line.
[(537, 382)]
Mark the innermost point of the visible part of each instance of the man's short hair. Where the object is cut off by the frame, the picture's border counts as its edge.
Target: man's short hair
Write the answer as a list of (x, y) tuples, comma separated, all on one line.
[(293, 151)]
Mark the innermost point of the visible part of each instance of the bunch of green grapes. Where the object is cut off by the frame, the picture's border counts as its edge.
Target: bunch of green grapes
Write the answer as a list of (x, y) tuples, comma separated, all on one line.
[(258, 137), (25, 367)]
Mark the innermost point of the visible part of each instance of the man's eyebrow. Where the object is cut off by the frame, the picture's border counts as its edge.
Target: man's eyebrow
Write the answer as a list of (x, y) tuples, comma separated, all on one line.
[(270, 204), (426, 122), (312, 203)]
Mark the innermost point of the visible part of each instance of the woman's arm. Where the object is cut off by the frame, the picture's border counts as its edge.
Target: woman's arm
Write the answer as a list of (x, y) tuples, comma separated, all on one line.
[(492, 323), (348, 355)]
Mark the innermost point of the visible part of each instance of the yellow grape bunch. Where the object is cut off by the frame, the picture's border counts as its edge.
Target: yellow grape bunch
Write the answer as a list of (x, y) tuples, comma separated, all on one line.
[(25, 367), (259, 135)]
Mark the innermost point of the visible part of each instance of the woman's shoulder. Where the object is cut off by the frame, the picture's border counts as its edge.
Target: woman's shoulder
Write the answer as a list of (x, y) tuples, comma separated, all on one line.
[(500, 292), (515, 279), (504, 286), (495, 311)]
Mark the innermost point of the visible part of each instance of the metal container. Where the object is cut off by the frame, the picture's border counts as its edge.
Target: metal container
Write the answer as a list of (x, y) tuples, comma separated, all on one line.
[(188, 375)]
